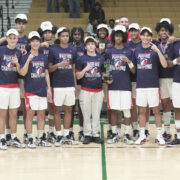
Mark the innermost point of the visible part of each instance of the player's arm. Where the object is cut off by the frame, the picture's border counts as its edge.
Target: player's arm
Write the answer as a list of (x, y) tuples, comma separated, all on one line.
[(161, 57), (81, 74), (130, 64), (53, 67), (172, 63), (23, 71), (2, 40), (48, 83)]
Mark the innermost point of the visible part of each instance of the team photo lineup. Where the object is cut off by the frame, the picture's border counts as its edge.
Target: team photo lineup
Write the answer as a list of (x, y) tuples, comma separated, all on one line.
[(53, 69)]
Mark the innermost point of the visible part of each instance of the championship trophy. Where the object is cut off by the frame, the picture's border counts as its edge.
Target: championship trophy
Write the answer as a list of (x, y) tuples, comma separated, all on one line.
[(107, 76)]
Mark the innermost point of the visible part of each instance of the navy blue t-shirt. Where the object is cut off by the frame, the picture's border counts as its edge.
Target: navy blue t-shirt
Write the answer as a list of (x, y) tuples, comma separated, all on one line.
[(175, 53), (147, 67), (63, 76), (35, 80), (166, 49), (119, 69), (8, 70), (132, 46), (92, 80), (80, 49)]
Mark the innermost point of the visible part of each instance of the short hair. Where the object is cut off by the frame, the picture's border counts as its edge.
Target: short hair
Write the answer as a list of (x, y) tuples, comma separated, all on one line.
[(17, 21), (64, 30), (144, 31), (112, 20), (165, 25), (89, 40), (33, 38), (123, 34)]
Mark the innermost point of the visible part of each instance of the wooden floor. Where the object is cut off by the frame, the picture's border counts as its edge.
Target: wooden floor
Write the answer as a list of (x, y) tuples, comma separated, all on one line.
[(91, 162)]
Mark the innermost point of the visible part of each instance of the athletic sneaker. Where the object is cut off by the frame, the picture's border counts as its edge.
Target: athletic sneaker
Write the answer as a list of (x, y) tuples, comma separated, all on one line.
[(81, 136), (127, 139), (59, 141), (119, 132), (167, 137), (31, 143), (97, 140), (174, 142), (113, 139), (25, 138), (147, 134), (109, 134), (135, 135), (3, 145), (51, 137), (160, 140), (42, 141), (71, 134), (141, 140), (67, 140), (8, 139), (87, 140), (16, 143)]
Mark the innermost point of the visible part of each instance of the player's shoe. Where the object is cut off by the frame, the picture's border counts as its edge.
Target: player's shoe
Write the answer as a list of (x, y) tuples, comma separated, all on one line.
[(135, 135), (113, 139), (87, 140), (25, 138), (42, 141), (160, 140), (16, 143), (174, 142), (97, 140), (31, 143), (51, 137), (71, 134), (59, 141), (67, 140), (167, 137), (141, 140), (8, 139), (127, 139), (3, 144), (147, 134), (81, 136)]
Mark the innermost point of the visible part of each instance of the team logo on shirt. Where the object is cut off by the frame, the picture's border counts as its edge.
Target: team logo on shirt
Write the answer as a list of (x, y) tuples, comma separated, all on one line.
[(144, 61), (64, 57), (20, 46), (93, 73), (7, 64), (37, 69), (46, 52), (118, 63), (80, 53)]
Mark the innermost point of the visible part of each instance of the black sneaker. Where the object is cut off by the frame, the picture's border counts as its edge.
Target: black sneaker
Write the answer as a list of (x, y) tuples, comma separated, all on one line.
[(87, 140), (3, 145), (8, 139), (68, 140), (173, 143), (42, 141), (71, 134), (59, 141), (97, 140), (147, 135), (25, 138), (114, 138), (81, 136), (16, 143), (51, 137), (135, 135)]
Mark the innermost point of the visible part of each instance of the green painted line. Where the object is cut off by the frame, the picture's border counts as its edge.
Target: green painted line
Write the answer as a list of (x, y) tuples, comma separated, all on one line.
[(103, 155)]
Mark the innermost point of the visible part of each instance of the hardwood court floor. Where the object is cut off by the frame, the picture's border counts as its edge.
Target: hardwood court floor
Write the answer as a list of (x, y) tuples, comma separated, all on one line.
[(91, 162)]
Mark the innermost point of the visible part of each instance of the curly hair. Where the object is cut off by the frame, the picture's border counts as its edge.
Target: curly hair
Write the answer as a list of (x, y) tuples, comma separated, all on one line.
[(165, 25), (124, 36)]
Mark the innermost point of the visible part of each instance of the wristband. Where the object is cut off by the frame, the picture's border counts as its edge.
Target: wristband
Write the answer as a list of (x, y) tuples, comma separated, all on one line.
[(175, 61), (131, 65)]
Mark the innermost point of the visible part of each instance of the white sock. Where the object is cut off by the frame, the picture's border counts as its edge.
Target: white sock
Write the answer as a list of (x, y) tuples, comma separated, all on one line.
[(71, 129), (66, 132), (59, 133), (126, 130), (110, 127), (2, 136), (8, 131), (40, 133), (159, 131), (167, 120), (51, 129), (114, 129), (147, 124), (80, 128), (135, 125), (142, 132), (13, 135), (30, 136), (25, 132)]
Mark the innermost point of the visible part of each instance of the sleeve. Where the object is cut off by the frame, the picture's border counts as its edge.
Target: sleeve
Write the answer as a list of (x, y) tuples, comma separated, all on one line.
[(79, 64), (51, 58)]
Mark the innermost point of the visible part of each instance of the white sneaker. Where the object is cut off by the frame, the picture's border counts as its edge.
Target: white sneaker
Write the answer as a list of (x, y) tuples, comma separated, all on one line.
[(59, 141), (141, 140), (42, 141), (31, 143), (160, 140), (3, 145), (119, 132), (127, 139), (16, 143), (113, 139)]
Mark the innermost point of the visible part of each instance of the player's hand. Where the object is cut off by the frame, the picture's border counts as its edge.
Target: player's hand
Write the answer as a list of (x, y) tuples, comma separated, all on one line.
[(31, 56), (125, 59), (15, 60), (64, 63), (109, 82), (49, 94), (45, 44), (172, 39), (23, 51), (88, 67), (154, 48)]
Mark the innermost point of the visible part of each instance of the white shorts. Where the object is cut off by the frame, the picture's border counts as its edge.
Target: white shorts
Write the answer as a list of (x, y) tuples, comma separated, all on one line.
[(36, 103), (21, 85), (133, 89), (148, 97), (176, 94), (64, 96), (166, 88), (9, 98), (119, 100)]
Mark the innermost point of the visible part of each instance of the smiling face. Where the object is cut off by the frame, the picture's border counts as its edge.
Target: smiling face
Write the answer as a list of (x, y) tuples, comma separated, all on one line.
[(163, 33), (102, 33), (64, 37), (146, 37), (35, 43), (124, 21), (134, 33), (12, 40)]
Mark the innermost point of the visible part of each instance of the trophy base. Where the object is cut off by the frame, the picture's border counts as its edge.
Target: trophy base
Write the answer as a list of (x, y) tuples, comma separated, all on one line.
[(108, 78)]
